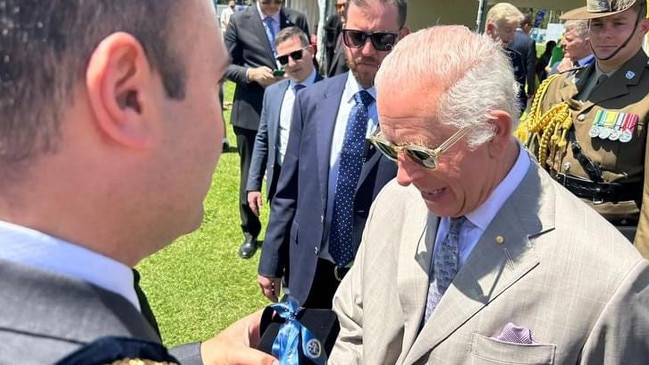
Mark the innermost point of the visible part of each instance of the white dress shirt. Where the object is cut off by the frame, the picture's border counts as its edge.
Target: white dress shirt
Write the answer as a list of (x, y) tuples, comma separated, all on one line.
[(36, 249), (285, 115)]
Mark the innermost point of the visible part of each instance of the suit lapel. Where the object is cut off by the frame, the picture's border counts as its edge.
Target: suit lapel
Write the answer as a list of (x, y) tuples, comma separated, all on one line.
[(414, 265), (325, 128), (276, 101), (502, 257), (259, 28)]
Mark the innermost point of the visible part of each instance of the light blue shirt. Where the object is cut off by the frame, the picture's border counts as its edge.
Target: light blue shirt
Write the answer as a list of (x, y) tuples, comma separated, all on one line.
[(344, 109), (479, 219), (285, 115), (36, 249), (586, 60)]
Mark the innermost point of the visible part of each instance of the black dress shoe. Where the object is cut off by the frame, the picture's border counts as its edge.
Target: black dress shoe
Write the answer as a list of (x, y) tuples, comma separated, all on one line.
[(248, 247)]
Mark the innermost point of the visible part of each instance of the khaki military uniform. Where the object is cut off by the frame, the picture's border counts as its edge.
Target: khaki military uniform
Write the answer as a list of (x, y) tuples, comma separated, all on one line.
[(622, 98)]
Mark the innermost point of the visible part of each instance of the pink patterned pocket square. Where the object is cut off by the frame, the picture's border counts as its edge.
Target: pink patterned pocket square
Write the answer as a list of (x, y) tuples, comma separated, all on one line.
[(515, 334)]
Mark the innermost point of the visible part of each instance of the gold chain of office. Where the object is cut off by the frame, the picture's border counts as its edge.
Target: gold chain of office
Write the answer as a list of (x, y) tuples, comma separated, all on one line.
[(549, 130)]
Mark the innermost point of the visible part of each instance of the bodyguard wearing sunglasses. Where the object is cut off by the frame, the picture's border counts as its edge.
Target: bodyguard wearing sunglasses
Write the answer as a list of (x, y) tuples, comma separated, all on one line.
[(295, 55), (250, 39), (330, 175), (474, 254)]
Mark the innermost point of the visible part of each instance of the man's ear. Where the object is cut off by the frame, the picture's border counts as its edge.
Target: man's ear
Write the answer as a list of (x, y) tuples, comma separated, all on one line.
[(490, 28), (644, 26), (502, 127), (404, 32), (117, 81)]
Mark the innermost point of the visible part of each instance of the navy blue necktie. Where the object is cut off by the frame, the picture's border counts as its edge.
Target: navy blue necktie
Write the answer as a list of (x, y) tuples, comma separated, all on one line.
[(298, 87), (341, 246)]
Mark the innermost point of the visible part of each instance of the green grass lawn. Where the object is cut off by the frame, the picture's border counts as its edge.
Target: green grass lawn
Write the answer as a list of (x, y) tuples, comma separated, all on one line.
[(199, 285)]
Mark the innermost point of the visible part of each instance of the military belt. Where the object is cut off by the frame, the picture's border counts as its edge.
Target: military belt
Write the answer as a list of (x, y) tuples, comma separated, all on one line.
[(600, 192)]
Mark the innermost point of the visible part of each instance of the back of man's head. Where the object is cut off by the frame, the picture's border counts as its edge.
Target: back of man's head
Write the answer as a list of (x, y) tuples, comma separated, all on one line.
[(504, 13), (528, 22), (46, 46)]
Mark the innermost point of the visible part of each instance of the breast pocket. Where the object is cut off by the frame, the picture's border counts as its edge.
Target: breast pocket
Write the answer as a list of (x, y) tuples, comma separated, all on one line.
[(487, 351)]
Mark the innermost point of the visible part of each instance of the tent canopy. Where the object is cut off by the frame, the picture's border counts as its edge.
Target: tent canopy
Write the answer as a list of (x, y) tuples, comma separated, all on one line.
[(561, 5)]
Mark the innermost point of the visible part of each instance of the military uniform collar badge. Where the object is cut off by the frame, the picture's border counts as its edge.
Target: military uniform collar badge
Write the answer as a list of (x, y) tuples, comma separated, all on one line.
[(629, 75)]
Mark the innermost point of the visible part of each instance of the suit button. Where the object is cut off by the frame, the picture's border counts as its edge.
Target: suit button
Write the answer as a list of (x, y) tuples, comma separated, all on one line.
[(316, 249)]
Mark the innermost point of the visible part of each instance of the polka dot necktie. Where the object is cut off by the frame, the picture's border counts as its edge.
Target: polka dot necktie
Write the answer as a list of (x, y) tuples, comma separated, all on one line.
[(341, 246), (446, 262)]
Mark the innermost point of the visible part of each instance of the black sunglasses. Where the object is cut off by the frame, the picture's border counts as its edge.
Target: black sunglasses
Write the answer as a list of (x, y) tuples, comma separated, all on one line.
[(276, 2), (382, 41), (295, 55)]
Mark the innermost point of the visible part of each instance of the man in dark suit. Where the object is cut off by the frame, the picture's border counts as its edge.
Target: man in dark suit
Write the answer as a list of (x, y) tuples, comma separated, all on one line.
[(335, 62), (523, 44), (99, 167), (295, 54), (250, 41), (320, 207), (501, 22)]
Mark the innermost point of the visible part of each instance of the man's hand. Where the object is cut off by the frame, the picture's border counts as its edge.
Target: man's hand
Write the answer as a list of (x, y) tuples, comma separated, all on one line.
[(263, 76), (255, 202), (270, 287), (236, 344)]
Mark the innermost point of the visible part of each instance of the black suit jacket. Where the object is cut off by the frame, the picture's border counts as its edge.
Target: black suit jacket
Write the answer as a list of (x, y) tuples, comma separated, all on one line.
[(338, 64), (295, 230), (524, 45), (246, 41)]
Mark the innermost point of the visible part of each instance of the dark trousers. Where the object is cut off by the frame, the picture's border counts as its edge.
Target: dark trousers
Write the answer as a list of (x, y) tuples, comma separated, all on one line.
[(245, 143), (324, 285)]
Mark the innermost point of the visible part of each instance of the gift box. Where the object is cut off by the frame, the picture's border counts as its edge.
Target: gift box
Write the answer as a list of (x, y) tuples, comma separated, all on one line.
[(294, 335)]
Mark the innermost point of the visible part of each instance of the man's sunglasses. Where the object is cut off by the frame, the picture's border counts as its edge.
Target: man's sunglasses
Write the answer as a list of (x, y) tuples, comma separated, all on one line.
[(276, 2), (382, 41), (424, 156), (295, 55)]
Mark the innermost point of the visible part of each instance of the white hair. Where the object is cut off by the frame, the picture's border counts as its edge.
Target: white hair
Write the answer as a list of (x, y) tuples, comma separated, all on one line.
[(472, 71)]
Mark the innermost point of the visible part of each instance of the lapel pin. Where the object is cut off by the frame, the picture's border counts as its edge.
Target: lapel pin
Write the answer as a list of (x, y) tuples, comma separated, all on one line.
[(500, 240), (629, 75)]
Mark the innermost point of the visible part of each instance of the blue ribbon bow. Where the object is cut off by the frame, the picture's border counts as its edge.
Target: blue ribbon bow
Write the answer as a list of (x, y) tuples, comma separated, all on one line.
[(287, 342)]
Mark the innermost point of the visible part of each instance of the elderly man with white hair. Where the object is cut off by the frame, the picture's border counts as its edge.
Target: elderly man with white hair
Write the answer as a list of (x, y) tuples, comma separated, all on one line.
[(474, 254)]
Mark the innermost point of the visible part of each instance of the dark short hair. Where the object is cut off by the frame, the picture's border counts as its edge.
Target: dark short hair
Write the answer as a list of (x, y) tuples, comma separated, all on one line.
[(46, 46), (402, 8), (290, 32), (527, 19)]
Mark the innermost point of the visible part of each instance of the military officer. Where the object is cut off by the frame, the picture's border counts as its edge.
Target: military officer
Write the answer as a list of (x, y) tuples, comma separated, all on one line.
[(587, 126)]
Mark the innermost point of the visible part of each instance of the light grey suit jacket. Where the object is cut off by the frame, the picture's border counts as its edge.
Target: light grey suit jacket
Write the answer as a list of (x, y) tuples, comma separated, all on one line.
[(547, 262), (45, 316)]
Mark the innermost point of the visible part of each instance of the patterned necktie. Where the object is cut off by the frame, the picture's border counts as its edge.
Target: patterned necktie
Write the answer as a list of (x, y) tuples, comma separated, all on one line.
[(446, 262), (341, 247), (270, 33)]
